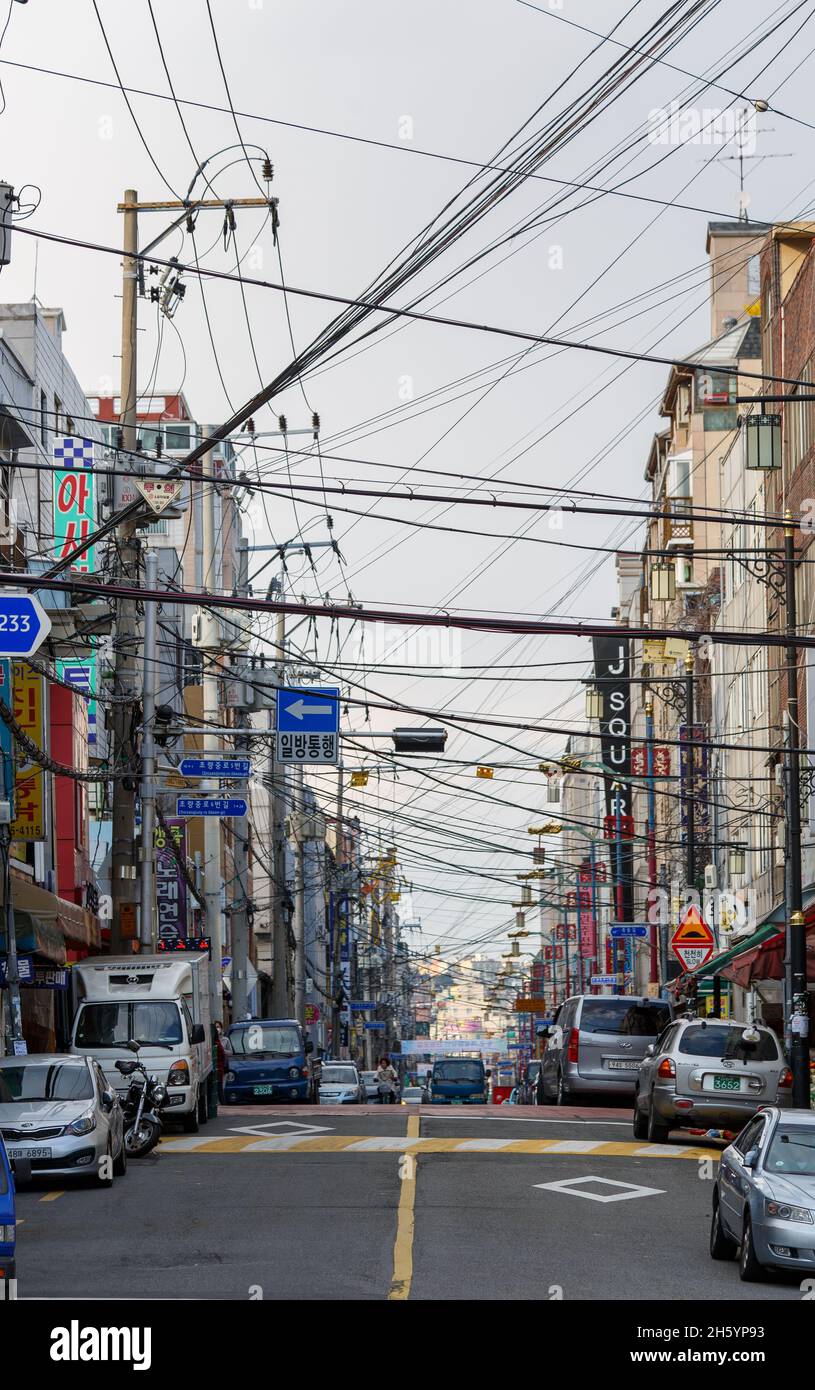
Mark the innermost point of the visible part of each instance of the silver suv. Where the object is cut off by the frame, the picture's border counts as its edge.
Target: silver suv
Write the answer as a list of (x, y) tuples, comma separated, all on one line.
[(596, 1043), (704, 1072)]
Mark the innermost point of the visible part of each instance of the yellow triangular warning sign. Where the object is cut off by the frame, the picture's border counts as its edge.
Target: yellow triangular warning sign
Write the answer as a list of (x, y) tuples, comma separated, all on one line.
[(693, 930)]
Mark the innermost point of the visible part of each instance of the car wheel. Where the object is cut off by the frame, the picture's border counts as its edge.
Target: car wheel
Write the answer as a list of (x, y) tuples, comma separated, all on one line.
[(120, 1163), (203, 1108), (657, 1132), (750, 1270), (563, 1096), (640, 1124), (189, 1123), (721, 1246)]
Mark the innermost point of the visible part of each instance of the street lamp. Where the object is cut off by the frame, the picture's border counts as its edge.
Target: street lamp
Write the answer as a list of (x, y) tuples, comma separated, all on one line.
[(737, 859), (594, 703), (663, 583)]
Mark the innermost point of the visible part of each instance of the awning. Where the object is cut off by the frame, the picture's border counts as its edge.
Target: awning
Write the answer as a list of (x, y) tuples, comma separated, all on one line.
[(79, 929), (35, 937), (760, 956), (12, 434)]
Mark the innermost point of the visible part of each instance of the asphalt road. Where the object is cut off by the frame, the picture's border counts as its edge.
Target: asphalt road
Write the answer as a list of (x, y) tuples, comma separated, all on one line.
[(389, 1202)]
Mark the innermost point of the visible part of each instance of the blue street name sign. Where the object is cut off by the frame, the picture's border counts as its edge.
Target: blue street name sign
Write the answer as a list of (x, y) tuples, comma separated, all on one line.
[(375, 1027), (360, 1005), (312, 710), (215, 767), (206, 806), (605, 979), (632, 930), (24, 624)]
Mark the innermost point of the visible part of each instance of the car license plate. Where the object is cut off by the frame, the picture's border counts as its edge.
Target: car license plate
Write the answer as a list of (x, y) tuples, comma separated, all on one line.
[(263, 1090), (622, 1063), (14, 1151), (457, 1101), (726, 1083)]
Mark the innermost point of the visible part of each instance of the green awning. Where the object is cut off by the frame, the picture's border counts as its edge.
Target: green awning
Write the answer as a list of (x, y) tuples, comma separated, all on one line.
[(748, 943)]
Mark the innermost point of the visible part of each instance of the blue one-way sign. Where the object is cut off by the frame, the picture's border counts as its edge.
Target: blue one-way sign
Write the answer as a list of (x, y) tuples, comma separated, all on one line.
[(308, 725), (24, 624), (315, 710)]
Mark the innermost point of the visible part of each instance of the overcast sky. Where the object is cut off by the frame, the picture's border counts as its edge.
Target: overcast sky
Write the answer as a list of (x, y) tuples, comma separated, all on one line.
[(456, 78)]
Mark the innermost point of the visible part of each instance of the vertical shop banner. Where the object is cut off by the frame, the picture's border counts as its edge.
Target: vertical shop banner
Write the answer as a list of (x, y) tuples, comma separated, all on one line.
[(693, 778), (612, 675), (28, 708), (171, 885), (6, 741), (82, 675), (74, 500)]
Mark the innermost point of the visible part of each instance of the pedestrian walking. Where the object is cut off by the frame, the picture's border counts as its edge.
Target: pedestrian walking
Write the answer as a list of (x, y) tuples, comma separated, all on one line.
[(386, 1082), (220, 1059)]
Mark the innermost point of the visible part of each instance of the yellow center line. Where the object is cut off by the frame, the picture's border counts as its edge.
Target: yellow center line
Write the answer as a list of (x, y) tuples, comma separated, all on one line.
[(403, 1245), (413, 1126), (52, 1196)]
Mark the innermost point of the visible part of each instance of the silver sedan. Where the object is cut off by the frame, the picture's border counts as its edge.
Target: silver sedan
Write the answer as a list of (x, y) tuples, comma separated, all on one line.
[(59, 1113), (764, 1195)]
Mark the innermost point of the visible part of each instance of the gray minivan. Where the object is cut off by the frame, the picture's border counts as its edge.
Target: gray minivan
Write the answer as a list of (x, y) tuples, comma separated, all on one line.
[(596, 1043)]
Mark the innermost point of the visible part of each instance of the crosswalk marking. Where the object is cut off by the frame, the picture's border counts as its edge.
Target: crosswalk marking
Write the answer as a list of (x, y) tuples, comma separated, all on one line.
[(362, 1143)]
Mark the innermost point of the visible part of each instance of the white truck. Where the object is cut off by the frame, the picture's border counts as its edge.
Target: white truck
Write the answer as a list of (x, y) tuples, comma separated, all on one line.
[(162, 1002)]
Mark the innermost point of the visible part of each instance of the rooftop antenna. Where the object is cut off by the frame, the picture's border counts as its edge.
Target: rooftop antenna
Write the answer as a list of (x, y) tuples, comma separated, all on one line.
[(741, 137)]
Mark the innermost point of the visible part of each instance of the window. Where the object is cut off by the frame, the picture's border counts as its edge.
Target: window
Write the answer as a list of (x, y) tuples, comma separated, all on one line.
[(792, 1150), (750, 1136), (724, 1042), (57, 415), (69, 424), (621, 1017), (35, 1081), (43, 417), (679, 475), (754, 275)]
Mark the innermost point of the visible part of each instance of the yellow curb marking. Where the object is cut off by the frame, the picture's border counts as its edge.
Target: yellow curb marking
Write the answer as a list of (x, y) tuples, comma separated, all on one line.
[(413, 1126), (341, 1143), (52, 1196)]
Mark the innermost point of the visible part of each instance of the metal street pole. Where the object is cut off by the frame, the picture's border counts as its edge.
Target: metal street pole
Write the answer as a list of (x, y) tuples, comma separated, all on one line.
[(796, 931), (595, 924), (123, 813), (298, 919), (336, 975), (653, 951), (618, 852), (239, 930), (147, 791), (690, 776), (281, 991)]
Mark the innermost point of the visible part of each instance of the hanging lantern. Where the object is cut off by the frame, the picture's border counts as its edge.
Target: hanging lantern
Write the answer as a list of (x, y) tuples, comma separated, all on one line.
[(737, 859), (520, 921), (763, 441), (594, 703), (663, 583)]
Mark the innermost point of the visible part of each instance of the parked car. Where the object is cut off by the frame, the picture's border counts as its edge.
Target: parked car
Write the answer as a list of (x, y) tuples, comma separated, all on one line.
[(371, 1085), (59, 1113), (703, 1073), (10, 1174), (412, 1095), (596, 1043), (764, 1195), (341, 1084), (532, 1085)]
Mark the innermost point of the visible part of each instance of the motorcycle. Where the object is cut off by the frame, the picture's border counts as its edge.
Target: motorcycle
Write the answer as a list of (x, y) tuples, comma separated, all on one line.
[(141, 1106)]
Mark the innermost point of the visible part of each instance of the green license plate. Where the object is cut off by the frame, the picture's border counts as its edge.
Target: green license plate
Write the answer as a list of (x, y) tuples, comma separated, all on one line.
[(726, 1083), (457, 1102), (263, 1090)]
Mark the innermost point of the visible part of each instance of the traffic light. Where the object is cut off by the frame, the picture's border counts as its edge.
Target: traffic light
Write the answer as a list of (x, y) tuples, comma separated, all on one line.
[(426, 740)]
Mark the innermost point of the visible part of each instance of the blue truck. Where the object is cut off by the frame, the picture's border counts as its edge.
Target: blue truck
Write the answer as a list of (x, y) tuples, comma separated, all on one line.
[(269, 1059), (458, 1081), (8, 1217)]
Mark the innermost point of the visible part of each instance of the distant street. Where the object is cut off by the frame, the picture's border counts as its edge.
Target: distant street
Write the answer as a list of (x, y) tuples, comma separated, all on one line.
[(308, 1203)]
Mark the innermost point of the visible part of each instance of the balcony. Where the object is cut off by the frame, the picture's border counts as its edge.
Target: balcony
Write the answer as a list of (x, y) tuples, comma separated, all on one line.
[(678, 529)]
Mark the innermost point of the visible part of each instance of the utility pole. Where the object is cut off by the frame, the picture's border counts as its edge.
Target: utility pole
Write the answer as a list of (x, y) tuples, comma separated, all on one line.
[(239, 932), (619, 895), (211, 746), (281, 991), (653, 945), (690, 780), (299, 920), (127, 557), (147, 793), (336, 972), (796, 930)]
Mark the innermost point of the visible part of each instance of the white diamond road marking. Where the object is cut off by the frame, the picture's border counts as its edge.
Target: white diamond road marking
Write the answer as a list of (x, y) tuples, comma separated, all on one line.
[(283, 1126), (571, 1188)]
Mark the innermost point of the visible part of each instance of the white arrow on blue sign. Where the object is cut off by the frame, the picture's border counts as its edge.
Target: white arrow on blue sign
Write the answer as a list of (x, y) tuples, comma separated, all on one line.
[(24, 624), (210, 806), (634, 929), (315, 710), (215, 767)]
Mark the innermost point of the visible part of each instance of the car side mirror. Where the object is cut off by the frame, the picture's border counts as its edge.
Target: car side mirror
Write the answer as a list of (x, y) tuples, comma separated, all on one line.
[(751, 1159), (650, 1050), (107, 1100), (545, 1033), (198, 1034), (21, 1168), (309, 1045), (488, 1073)]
